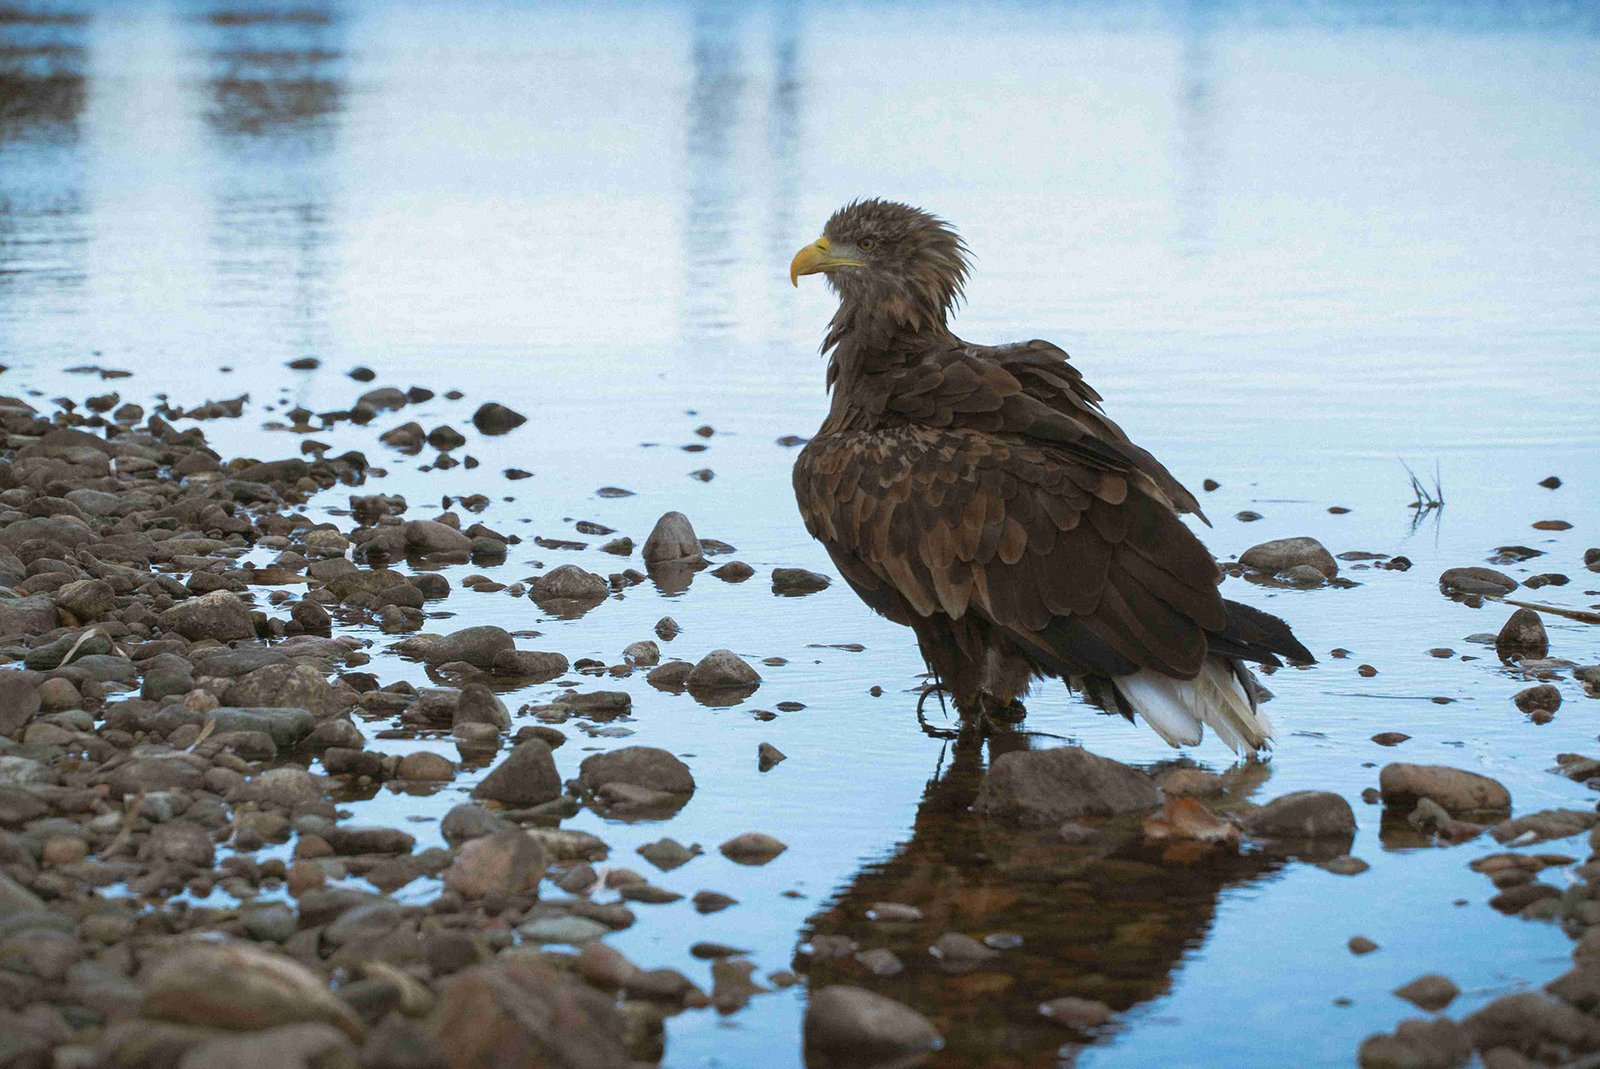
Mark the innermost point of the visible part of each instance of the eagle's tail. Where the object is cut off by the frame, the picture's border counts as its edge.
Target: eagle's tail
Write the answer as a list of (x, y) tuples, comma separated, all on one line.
[(1222, 695)]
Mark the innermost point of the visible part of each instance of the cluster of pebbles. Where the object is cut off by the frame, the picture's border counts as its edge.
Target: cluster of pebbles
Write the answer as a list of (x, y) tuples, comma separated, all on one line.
[(178, 887)]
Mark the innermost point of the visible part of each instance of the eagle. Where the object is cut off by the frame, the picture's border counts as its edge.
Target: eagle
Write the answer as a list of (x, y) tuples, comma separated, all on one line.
[(980, 495)]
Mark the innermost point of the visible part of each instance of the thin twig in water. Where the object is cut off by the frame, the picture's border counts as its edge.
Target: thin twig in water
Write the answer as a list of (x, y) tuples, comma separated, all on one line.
[(1424, 501), (1581, 615)]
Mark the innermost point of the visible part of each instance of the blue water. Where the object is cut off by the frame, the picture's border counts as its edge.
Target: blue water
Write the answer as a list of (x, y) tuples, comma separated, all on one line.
[(1294, 247)]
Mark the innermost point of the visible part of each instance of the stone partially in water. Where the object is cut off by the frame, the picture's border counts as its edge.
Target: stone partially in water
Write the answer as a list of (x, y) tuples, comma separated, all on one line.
[(494, 418), (1544, 698), (218, 615), (1523, 636), (641, 766), (672, 541), (1432, 992), (477, 646), (1302, 815), (1076, 1013), (1283, 554), (797, 582), (853, 1026), (1476, 581), (1455, 790), (527, 777), (509, 861), (1039, 788), (752, 848)]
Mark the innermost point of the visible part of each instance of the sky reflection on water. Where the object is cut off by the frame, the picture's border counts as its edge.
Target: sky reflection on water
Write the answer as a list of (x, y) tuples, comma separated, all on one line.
[(1292, 246)]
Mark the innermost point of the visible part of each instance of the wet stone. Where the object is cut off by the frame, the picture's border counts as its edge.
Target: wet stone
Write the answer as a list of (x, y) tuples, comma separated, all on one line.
[(1473, 580), (1360, 944), (1431, 992), (1457, 791), (857, 1026), (1040, 788), (1284, 554), (494, 418), (508, 862), (769, 756), (752, 848), (672, 541), (1303, 815), (797, 582), (1523, 636), (1078, 1014), (526, 777)]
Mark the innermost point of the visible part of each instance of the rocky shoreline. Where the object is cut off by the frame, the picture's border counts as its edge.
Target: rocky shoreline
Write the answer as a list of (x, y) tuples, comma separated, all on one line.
[(182, 719)]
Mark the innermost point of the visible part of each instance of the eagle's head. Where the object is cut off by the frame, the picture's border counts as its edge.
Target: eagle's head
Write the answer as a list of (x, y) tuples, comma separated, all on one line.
[(901, 260)]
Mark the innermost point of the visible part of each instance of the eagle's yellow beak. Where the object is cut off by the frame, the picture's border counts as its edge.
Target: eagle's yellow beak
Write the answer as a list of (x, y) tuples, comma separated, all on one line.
[(815, 257)]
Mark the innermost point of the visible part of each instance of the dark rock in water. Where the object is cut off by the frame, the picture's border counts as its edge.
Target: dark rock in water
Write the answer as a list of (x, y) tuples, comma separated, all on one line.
[(1210, 485), (518, 1013), (445, 438), (304, 363), (509, 862), (467, 821), (362, 374), (796, 582), (1544, 698), (219, 615), (853, 1026), (722, 670), (1545, 825), (1591, 559), (1514, 554), (769, 756), (672, 676), (1482, 581), (569, 583), (495, 418), (527, 777), (477, 646), (286, 726), (1454, 789), (537, 667), (735, 571), (1282, 554), (430, 536), (1432, 992), (1302, 815), (1040, 788), (1550, 482), (1522, 636), (752, 848), (672, 541), (640, 766), (1360, 944)]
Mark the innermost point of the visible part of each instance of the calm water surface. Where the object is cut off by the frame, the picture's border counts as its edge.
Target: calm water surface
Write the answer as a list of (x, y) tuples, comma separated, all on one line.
[(1293, 248)]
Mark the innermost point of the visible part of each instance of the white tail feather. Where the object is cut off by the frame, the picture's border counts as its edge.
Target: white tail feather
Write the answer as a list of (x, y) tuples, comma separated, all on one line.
[(1178, 708)]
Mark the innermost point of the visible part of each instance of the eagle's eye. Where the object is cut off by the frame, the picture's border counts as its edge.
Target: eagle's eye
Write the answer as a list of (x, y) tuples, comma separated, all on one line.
[(867, 244)]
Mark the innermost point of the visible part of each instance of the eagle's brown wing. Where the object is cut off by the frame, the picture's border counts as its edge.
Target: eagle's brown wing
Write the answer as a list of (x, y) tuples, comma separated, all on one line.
[(1053, 540), (1028, 389)]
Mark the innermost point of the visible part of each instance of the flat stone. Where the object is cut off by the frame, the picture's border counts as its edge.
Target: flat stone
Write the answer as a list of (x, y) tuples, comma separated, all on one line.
[(1302, 815)]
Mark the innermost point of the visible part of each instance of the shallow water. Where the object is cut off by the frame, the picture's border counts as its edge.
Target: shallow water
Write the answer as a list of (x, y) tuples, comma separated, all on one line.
[(1293, 248)]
